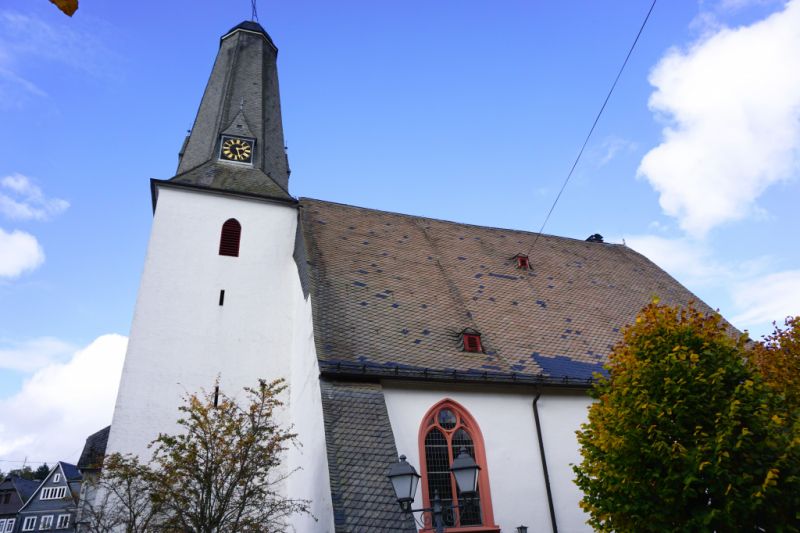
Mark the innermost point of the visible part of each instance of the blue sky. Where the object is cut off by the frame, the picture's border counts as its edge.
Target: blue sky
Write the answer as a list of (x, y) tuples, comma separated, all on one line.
[(462, 110)]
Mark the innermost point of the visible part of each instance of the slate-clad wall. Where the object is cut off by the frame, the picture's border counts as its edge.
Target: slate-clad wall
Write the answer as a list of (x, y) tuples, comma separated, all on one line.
[(41, 508), (505, 417), (360, 449)]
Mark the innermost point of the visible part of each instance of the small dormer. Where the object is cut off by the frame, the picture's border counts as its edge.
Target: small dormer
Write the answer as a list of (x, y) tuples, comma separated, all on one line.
[(471, 340), (522, 262)]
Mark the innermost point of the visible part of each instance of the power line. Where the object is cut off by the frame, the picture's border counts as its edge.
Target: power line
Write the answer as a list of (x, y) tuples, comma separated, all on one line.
[(594, 124), (26, 461)]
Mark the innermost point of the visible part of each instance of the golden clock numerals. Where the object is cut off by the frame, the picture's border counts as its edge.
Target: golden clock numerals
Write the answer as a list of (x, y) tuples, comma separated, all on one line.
[(236, 150)]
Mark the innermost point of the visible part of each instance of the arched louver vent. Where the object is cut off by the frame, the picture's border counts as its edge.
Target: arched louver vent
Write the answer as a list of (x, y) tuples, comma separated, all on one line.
[(229, 240)]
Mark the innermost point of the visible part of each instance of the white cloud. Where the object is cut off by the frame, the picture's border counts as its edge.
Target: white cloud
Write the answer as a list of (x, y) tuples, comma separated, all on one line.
[(24, 200), (754, 292), (31, 355), (62, 404), (770, 298), (688, 261), (733, 102), (610, 148), (19, 252), (736, 5)]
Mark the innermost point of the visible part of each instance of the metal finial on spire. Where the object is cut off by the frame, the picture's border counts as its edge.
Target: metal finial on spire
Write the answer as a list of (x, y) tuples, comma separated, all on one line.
[(254, 15)]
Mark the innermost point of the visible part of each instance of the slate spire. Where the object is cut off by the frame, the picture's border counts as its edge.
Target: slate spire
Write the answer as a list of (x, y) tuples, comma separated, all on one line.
[(241, 102)]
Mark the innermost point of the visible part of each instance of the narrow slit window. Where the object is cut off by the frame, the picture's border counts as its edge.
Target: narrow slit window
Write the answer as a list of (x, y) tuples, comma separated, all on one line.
[(230, 237), (523, 263), (222, 297)]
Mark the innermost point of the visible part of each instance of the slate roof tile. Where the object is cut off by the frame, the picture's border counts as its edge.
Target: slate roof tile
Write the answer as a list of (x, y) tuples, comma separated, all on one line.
[(442, 277), (360, 448), (94, 450)]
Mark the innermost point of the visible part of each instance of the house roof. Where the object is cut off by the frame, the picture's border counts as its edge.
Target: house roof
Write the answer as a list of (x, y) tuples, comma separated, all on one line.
[(25, 487), (94, 450), (71, 471), (392, 292)]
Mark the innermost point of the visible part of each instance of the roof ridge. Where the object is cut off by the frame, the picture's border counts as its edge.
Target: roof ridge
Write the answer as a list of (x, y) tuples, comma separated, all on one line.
[(301, 199)]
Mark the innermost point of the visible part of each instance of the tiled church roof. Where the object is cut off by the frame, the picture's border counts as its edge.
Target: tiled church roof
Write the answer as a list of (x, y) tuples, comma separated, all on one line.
[(391, 293)]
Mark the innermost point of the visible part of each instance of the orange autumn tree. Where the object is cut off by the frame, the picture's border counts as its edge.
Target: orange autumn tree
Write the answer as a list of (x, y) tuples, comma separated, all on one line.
[(685, 434), (778, 360)]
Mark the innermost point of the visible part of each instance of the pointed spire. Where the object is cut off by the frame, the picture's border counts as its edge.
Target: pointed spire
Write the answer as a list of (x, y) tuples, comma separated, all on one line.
[(237, 143)]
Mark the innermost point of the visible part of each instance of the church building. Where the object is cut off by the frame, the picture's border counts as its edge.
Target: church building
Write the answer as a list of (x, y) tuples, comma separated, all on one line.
[(397, 334)]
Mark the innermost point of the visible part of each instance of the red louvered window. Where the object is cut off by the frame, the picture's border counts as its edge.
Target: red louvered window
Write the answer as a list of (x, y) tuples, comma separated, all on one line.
[(523, 263), (229, 240), (472, 341)]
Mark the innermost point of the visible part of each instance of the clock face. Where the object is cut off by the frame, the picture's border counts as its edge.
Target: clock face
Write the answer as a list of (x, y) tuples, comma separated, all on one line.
[(236, 149)]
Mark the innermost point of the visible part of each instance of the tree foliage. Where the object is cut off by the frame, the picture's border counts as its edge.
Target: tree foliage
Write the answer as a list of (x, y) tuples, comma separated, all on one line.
[(778, 360), (121, 498), (41, 472), (685, 435), (68, 7), (222, 472)]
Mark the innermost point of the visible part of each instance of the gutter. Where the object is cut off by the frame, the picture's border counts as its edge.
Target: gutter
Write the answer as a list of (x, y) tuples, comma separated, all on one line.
[(372, 372), (544, 462)]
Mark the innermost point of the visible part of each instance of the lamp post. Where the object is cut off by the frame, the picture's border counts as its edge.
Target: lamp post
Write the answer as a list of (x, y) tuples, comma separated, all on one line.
[(404, 480)]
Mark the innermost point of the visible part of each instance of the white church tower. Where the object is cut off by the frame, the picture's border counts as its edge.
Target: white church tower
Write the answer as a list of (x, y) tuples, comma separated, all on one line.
[(221, 292)]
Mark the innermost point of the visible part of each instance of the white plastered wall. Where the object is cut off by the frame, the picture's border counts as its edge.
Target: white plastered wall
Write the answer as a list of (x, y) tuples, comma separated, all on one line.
[(182, 339), (506, 420)]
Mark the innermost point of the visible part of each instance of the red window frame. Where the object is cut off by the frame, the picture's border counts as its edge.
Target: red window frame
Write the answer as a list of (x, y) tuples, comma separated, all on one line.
[(465, 421), (230, 237), (472, 342), (523, 262)]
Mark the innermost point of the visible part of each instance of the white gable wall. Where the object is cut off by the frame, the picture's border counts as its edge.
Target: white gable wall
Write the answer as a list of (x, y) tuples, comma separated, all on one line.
[(181, 338), (506, 421)]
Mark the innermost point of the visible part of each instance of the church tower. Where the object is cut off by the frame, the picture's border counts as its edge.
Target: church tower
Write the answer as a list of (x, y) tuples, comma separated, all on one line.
[(220, 294)]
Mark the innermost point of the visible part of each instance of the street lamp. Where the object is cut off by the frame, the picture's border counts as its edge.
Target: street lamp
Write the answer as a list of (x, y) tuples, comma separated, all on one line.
[(404, 480)]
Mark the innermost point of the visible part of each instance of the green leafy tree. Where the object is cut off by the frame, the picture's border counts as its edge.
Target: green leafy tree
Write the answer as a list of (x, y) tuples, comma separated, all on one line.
[(220, 473), (41, 472), (686, 436)]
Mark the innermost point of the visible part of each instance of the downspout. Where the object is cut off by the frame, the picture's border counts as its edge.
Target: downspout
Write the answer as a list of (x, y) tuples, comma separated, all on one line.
[(544, 463)]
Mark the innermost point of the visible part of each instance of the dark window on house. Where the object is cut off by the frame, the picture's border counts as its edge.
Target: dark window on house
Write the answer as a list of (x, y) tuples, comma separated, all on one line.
[(472, 342), (229, 240), (523, 262)]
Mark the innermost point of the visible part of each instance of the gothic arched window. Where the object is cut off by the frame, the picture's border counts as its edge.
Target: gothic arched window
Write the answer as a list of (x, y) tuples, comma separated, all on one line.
[(446, 428), (229, 239)]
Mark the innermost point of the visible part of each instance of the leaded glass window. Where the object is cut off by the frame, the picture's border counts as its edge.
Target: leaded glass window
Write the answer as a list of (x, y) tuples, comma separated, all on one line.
[(447, 432)]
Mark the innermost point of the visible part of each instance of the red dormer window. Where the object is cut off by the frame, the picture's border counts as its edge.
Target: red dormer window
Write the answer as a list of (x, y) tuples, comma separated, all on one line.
[(523, 263), (471, 340)]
